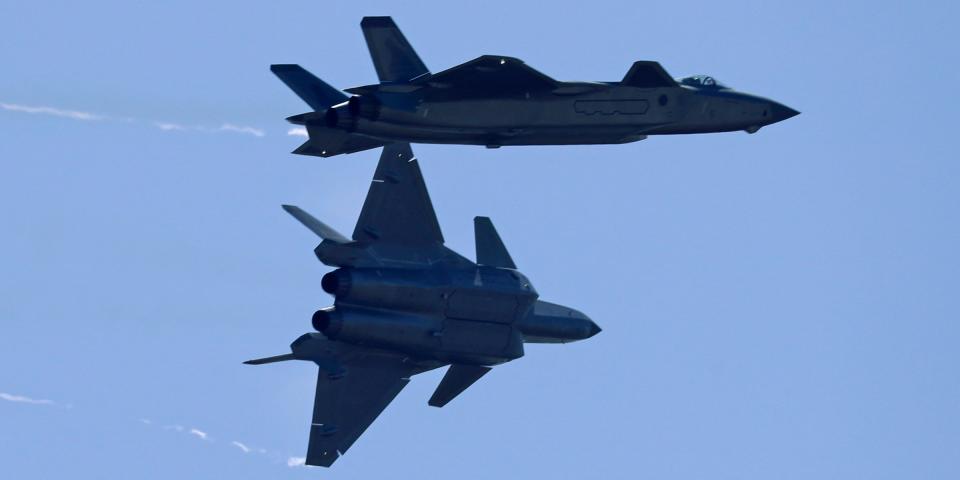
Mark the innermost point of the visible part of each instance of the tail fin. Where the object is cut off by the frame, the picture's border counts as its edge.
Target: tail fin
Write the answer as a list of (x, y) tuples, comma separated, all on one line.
[(490, 248), (317, 93), (393, 57)]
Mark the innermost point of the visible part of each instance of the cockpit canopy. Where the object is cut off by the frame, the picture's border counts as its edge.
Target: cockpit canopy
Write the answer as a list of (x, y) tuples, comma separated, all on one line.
[(702, 81)]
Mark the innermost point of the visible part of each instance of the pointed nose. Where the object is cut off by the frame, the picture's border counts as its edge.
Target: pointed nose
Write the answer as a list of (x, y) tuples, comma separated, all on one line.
[(594, 329), (780, 112)]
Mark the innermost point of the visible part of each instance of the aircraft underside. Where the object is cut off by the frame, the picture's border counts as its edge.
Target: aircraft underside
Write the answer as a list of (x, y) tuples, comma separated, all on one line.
[(564, 135)]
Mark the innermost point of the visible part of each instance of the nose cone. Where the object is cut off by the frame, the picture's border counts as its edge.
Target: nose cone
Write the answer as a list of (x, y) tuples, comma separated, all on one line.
[(594, 329), (551, 323), (780, 112)]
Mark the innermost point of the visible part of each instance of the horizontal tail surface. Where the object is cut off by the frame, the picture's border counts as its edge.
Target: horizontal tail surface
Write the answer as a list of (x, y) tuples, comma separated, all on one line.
[(274, 359), (322, 230), (327, 142), (317, 93)]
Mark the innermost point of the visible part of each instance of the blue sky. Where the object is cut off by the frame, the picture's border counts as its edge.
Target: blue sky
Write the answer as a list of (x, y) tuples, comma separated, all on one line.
[(780, 305)]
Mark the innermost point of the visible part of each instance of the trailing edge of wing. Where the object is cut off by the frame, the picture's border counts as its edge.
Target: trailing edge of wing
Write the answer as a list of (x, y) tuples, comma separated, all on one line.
[(398, 208), (322, 230), (490, 248), (647, 74), (392, 55)]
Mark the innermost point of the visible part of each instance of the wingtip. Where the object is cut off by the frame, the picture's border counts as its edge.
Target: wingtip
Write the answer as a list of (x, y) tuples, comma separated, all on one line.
[(480, 222), (283, 67), (375, 22)]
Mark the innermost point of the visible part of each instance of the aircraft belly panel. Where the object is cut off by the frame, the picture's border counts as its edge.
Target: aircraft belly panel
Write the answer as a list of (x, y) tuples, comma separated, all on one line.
[(483, 306), (475, 338)]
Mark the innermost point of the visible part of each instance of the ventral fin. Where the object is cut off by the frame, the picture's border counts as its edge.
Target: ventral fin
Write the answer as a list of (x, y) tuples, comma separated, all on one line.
[(457, 379)]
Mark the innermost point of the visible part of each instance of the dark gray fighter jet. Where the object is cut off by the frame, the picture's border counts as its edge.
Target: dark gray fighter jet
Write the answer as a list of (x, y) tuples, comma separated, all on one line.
[(404, 304), (496, 100)]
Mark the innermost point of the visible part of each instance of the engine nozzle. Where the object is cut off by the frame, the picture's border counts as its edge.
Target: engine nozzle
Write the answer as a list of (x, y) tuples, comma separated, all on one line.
[(346, 115), (327, 321), (336, 283), (340, 116)]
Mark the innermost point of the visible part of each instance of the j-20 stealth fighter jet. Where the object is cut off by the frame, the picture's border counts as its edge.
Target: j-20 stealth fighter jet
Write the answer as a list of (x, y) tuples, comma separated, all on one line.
[(496, 100), (404, 304)]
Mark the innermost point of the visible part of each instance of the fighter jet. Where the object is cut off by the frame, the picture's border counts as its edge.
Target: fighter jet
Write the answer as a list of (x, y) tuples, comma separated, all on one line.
[(404, 304), (496, 100)]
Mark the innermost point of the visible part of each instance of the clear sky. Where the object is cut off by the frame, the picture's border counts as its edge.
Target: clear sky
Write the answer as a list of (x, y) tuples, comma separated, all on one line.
[(784, 305)]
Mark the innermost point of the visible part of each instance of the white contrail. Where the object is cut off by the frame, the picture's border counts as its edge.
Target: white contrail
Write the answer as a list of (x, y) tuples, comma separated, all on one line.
[(229, 127), (22, 399), (298, 132), (57, 112), (225, 128), (165, 126), (196, 432)]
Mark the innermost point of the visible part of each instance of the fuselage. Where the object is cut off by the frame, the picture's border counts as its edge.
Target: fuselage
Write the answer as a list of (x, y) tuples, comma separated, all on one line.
[(480, 315), (574, 113)]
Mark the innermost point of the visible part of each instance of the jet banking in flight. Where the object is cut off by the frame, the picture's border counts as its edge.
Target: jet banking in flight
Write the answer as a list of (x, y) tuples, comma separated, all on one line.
[(496, 100), (404, 304)]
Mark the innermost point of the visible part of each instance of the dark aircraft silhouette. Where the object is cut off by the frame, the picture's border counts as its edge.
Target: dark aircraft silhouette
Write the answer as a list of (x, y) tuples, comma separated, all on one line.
[(496, 100), (404, 304)]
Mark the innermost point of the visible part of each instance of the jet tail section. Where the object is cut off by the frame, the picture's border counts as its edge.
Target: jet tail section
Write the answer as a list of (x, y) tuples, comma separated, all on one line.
[(392, 55), (317, 93), (490, 248), (457, 379), (327, 142)]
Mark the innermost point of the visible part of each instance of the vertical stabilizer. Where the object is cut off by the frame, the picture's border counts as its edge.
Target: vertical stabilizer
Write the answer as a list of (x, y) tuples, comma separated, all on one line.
[(490, 249), (392, 55)]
